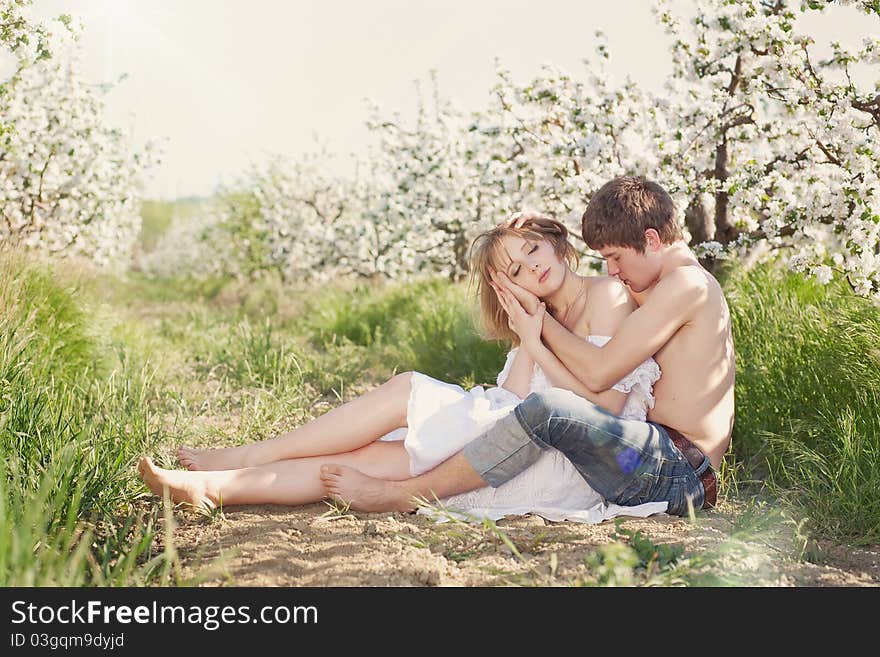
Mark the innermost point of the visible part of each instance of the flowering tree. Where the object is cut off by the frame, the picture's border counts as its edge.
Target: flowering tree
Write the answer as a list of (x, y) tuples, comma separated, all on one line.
[(554, 140), (290, 218), (22, 42), (426, 195), (764, 144), (68, 183), (303, 216), (20, 35), (196, 243), (773, 146)]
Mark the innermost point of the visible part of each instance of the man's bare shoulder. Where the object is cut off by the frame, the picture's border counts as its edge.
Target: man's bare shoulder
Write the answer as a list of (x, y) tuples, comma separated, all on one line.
[(684, 286)]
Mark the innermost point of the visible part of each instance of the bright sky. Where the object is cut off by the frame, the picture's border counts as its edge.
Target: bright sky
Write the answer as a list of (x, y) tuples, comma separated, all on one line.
[(229, 82)]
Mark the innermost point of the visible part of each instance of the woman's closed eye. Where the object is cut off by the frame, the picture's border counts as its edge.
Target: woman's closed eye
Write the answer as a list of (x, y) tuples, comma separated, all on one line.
[(517, 269)]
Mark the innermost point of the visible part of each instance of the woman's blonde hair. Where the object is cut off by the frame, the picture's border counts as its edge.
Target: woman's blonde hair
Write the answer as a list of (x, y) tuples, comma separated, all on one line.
[(487, 252)]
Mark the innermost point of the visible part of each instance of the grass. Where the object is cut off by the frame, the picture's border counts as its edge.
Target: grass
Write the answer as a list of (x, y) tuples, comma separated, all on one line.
[(71, 423), (95, 370), (635, 560), (808, 397), (427, 326)]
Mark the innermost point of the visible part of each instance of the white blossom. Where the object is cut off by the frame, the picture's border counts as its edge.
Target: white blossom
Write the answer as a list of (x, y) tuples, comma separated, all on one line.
[(823, 274)]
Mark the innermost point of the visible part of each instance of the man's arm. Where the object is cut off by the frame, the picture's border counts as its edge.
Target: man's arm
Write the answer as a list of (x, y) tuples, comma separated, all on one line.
[(608, 305), (560, 377), (529, 325), (642, 334)]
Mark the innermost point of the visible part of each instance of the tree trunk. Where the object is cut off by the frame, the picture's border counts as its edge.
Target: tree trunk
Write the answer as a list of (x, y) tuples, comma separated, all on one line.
[(724, 231), (698, 221), (460, 249), (701, 227)]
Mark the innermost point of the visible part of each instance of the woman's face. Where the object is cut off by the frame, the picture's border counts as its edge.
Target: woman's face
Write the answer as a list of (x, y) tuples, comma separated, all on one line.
[(532, 264)]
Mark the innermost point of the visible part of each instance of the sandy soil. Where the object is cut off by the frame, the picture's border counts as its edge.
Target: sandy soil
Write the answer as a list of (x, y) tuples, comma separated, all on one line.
[(318, 546)]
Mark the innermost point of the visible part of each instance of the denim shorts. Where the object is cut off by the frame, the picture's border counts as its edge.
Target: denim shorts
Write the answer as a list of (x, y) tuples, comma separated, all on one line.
[(628, 462)]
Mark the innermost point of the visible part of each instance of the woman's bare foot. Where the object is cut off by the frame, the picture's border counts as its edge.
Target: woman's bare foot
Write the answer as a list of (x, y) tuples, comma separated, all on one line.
[(183, 487), (228, 458), (363, 492)]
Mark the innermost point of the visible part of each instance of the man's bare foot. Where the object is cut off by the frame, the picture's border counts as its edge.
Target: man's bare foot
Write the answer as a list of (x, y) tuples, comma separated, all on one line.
[(183, 487), (228, 458), (362, 492)]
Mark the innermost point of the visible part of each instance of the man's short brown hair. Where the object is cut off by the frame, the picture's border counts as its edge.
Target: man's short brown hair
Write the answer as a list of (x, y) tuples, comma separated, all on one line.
[(623, 209)]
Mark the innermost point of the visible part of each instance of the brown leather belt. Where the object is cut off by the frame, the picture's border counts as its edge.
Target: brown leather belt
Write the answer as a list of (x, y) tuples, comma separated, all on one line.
[(696, 458)]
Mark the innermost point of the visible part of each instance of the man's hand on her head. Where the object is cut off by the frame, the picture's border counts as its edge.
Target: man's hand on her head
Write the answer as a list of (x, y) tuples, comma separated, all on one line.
[(526, 299), (517, 219)]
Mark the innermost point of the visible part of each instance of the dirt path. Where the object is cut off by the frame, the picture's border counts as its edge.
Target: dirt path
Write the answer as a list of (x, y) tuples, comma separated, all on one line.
[(281, 546)]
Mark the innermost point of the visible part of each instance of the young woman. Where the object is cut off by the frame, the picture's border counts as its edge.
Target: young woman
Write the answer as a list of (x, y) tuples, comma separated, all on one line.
[(412, 423)]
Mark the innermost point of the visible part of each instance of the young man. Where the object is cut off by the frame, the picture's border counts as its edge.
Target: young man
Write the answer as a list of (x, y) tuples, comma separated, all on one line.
[(682, 321)]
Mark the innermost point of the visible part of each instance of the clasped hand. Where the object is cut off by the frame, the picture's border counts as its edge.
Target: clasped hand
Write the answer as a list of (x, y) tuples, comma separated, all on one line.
[(525, 311)]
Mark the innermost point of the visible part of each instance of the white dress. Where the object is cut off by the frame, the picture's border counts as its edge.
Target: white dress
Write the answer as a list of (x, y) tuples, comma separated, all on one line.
[(443, 417)]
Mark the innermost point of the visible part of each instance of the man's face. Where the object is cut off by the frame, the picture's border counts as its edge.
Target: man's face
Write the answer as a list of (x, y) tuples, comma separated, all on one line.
[(638, 271)]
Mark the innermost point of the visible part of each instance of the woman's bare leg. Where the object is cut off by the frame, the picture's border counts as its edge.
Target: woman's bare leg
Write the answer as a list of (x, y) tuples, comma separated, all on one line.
[(290, 482), (343, 429)]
